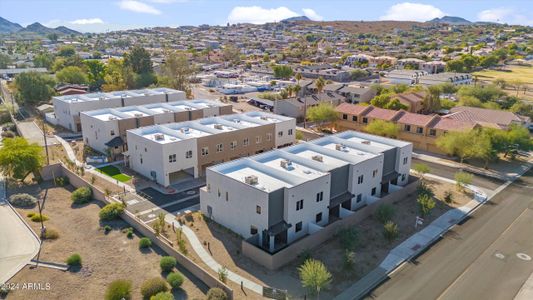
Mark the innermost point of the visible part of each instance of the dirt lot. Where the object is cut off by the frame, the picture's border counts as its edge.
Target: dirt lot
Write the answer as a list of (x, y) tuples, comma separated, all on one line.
[(372, 249), (105, 257)]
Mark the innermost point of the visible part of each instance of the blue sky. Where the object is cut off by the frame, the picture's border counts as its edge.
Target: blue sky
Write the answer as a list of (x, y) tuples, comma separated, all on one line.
[(102, 15)]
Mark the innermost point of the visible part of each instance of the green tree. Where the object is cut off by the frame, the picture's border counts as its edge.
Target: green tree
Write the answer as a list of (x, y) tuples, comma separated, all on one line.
[(43, 60), (5, 60), (432, 99), (231, 54), (298, 77), (282, 71), (426, 203), (114, 78), (18, 158), (381, 100), (395, 104), (322, 113), (320, 83), (66, 51), (139, 60), (455, 65), (33, 87), (178, 72), (72, 74), (456, 143), (358, 74), (421, 169), (314, 276), (96, 72), (383, 128), (462, 179)]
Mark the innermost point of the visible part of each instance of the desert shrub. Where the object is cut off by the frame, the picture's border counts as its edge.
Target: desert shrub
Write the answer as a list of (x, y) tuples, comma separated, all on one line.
[(107, 229), (81, 195), (22, 200), (4, 291), (384, 213), (175, 279), (118, 289), (425, 204), (30, 214), (153, 286), (8, 134), (390, 231), (167, 263), (349, 238), (51, 234), (74, 260), (129, 233), (111, 211), (183, 247), (424, 189), (61, 181), (39, 217), (349, 260), (145, 242), (216, 294), (223, 274), (448, 197), (162, 296)]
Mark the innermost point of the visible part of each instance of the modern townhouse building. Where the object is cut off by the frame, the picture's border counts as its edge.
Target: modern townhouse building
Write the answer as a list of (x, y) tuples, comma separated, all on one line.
[(446, 77), (104, 130), (168, 153), (67, 109), (275, 198)]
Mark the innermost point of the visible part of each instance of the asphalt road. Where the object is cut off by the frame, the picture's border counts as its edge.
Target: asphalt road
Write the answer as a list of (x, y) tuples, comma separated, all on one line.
[(467, 264), (449, 172)]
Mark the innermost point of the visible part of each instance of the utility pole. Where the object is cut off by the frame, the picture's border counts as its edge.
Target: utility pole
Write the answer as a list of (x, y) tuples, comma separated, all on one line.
[(46, 144)]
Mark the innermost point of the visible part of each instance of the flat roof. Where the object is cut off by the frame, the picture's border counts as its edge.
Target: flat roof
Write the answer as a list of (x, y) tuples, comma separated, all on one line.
[(134, 113), (160, 137), (291, 167), (363, 155), (265, 182), (108, 116), (307, 153), (115, 94)]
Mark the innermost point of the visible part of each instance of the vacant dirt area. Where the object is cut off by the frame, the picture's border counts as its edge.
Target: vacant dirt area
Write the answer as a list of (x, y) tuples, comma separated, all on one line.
[(371, 250), (105, 257)]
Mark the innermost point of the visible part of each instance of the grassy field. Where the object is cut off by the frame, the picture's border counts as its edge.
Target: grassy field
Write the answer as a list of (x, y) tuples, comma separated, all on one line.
[(114, 172), (522, 73)]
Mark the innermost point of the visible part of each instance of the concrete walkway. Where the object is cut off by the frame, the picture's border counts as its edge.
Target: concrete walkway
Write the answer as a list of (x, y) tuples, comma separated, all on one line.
[(18, 243), (208, 259), (526, 292)]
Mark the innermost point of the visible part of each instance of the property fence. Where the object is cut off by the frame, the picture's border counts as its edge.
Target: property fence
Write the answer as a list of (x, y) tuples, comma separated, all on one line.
[(291, 252), (52, 171)]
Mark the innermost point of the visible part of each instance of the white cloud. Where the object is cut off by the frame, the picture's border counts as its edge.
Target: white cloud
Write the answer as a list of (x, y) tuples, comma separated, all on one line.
[(138, 7), (87, 21), (408, 11), (261, 15), (504, 15), (311, 14)]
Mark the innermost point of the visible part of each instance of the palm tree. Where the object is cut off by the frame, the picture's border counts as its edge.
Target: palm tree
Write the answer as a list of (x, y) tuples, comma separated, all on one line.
[(298, 77), (290, 90), (320, 83), (296, 89)]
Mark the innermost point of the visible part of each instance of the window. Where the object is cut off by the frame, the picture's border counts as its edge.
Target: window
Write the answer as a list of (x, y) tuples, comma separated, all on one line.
[(373, 191), (419, 130), (432, 132), (220, 147), (188, 154), (205, 151), (258, 209), (172, 158), (145, 150), (318, 218), (360, 179), (258, 139), (218, 191), (403, 177), (300, 204), (253, 230), (365, 120), (112, 132), (359, 198), (227, 196), (209, 188), (280, 133), (269, 136), (319, 196), (289, 132), (405, 159), (298, 227), (354, 118), (233, 145), (344, 116), (141, 159), (245, 142), (407, 127)]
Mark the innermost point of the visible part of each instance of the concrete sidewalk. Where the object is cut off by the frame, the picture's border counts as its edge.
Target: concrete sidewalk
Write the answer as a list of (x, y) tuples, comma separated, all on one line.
[(18, 243), (526, 292)]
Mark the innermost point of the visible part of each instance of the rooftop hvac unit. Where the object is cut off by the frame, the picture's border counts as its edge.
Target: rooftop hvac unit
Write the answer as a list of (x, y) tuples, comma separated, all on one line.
[(236, 120), (286, 164), (251, 179), (137, 115), (112, 118), (366, 142), (264, 118), (319, 158), (340, 147), (218, 126), (159, 136), (184, 130)]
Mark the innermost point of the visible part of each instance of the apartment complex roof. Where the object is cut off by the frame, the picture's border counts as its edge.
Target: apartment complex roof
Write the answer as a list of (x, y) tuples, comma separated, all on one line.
[(115, 95)]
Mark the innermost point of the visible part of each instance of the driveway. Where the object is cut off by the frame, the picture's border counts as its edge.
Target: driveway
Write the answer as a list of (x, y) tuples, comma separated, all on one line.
[(34, 134), (18, 244)]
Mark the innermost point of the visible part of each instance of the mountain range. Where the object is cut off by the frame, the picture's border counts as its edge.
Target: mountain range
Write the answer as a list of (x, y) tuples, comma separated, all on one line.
[(7, 27)]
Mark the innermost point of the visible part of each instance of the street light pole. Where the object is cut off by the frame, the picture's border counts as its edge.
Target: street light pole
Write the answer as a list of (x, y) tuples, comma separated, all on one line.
[(46, 144)]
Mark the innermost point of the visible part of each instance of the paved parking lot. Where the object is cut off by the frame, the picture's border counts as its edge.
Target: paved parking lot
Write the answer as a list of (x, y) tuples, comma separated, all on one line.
[(150, 203)]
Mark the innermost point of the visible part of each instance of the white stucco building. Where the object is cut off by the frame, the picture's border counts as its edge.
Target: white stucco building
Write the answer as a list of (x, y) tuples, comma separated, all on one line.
[(67, 109), (275, 198)]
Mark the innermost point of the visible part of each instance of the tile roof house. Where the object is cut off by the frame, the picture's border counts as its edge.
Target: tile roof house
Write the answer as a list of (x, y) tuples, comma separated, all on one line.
[(414, 100), (487, 117)]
